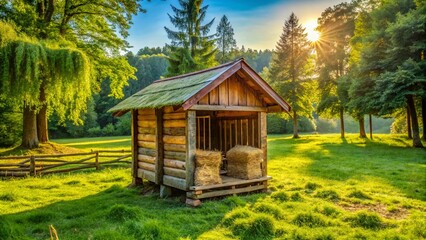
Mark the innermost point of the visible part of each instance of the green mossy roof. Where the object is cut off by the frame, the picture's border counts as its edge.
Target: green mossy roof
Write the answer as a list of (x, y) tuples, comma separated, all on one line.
[(171, 91)]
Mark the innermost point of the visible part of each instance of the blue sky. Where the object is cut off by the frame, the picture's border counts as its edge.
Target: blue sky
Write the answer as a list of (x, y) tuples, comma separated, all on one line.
[(257, 24)]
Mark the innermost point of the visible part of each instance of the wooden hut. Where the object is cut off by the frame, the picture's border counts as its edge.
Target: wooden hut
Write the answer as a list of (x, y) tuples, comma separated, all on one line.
[(213, 109)]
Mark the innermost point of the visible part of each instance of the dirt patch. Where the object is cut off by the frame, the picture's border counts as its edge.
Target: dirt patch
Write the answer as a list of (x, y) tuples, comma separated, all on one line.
[(379, 208)]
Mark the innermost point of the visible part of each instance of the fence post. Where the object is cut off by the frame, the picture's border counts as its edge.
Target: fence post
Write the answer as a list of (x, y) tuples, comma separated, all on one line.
[(32, 166), (97, 160)]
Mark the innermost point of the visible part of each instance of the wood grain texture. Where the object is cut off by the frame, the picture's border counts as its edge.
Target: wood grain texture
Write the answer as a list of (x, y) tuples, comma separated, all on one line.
[(190, 147)]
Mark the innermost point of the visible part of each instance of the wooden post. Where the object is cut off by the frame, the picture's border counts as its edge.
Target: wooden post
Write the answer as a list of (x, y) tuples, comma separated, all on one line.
[(134, 131), (191, 119), (159, 163), (32, 166), (97, 160), (261, 121)]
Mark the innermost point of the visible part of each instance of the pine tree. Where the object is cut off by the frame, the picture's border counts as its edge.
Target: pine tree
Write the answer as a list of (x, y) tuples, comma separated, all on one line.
[(191, 47), (336, 27), (290, 70), (225, 39)]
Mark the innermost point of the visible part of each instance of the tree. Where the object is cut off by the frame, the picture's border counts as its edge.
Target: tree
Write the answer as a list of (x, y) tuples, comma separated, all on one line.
[(336, 27), (290, 70), (72, 21), (225, 39), (191, 47)]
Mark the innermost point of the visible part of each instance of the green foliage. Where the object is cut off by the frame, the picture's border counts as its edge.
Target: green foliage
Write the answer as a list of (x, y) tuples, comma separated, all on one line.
[(238, 213), (122, 213), (309, 220), (276, 124), (225, 39), (366, 220), (5, 229), (9, 197), (191, 48), (296, 197)]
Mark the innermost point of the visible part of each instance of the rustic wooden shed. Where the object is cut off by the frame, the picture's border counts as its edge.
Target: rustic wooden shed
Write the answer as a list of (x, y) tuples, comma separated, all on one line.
[(212, 109)]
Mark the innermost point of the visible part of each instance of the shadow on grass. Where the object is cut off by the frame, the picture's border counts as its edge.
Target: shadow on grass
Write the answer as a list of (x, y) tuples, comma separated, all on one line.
[(353, 158), (124, 212)]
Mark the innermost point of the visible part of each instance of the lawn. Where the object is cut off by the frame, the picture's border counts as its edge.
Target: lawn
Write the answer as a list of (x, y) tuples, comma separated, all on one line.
[(323, 187)]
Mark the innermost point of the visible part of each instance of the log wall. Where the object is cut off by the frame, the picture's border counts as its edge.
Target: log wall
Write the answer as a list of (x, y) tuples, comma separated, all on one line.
[(147, 144), (174, 139)]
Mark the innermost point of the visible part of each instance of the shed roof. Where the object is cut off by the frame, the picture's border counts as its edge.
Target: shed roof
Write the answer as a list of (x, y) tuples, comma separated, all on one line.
[(187, 89)]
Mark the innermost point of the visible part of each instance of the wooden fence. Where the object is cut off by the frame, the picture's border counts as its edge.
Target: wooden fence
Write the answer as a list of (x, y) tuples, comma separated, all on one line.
[(20, 166)]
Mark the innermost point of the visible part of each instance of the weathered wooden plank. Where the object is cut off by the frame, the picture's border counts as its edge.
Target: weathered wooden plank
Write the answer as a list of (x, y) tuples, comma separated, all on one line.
[(150, 145), (168, 109), (263, 140), (174, 163), (175, 155), (174, 123), (145, 158), (251, 98), (174, 131), (228, 108), (230, 183), (147, 166), (147, 124), (223, 93), (148, 175), (160, 147), (146, 130), (134, 131), (233, 91), (174, 182), (146, 117), (191, 118), (146, 137), (218, 193), (174, 139), (147, 151), (204, 100), (242, 94), (174, 116), (214, 96), (175, 147), (175, 172), (146, 111)]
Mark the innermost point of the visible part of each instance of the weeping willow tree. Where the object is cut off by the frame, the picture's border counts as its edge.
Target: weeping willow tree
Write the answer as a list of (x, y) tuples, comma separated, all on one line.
[(63, 73)]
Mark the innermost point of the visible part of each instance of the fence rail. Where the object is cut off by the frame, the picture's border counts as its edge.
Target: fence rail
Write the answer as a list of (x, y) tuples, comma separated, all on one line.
[(20, 166)]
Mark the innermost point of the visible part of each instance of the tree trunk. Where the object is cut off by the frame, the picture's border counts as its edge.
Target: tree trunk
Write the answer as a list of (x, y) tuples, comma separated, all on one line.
[(415, 125), (370, 121), (409, 131), (42, 127), (342, 124), (361, 127), (29, 135), (424, 117), (295, 125)]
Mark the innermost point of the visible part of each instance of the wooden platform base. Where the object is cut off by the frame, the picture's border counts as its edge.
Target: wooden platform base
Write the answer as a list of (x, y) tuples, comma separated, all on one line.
[(229, 186)]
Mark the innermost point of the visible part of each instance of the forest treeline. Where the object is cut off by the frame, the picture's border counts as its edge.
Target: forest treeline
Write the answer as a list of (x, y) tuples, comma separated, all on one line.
[(59, 74)]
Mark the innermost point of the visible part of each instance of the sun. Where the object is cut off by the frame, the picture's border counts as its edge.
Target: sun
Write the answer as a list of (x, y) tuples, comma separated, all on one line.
[(313, 35)]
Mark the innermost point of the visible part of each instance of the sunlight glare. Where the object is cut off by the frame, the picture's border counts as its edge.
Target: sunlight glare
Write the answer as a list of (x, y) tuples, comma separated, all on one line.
[(313, 35)]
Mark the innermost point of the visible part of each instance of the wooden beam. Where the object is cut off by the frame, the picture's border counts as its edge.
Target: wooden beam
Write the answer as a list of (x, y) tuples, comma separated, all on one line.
[(134, 131), (191, 126), (263, 141), (174, 182), (160, 147), (218, 193), (228, 108), (148, 175), (228, 184)]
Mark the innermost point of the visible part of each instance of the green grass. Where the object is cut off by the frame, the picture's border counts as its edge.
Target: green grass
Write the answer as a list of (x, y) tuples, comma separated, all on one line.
[(323, 187)]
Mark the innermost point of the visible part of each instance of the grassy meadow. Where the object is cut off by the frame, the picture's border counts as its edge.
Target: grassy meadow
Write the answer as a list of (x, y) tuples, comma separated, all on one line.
[(323, 187)]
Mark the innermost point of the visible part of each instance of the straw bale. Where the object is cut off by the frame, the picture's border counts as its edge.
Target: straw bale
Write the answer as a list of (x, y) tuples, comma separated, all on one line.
[(244, 162), (207, 167)]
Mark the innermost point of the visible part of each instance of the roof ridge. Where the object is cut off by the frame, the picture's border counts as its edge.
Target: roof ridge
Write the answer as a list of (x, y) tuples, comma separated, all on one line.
[(200, 71)]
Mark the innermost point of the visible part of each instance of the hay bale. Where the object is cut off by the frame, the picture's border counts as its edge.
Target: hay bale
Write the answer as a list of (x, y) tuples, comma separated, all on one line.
[(244, 162), (207, 167)]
